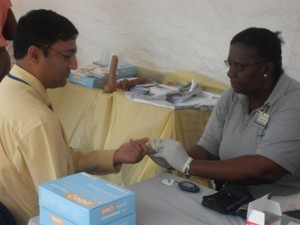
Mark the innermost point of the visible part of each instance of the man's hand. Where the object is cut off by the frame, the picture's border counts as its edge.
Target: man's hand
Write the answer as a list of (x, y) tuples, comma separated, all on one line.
[(133, 151), (169, 153)]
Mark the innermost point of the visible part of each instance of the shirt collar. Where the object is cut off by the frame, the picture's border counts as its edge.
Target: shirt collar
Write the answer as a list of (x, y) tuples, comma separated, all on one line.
[(279, 90), (32, 81)]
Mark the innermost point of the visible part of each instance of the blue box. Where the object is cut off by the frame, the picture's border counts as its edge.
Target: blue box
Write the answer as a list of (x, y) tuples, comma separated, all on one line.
[(96, 76), (51, 218), (83, 199), (88, 81), (122, 69)]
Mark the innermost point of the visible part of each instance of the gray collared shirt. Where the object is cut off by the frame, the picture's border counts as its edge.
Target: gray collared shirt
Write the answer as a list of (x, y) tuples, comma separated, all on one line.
[(231, 132)]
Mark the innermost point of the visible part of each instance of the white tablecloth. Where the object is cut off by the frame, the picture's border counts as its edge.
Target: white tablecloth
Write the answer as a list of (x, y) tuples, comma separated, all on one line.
[(159, 204)]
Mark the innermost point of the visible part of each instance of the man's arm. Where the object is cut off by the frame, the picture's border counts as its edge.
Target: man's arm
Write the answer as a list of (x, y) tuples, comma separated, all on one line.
[(110, 161)]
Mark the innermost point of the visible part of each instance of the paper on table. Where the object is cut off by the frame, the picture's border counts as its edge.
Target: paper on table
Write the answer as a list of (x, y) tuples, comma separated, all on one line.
[(194, 102), (163, 89), (183, 96), (175, 97)]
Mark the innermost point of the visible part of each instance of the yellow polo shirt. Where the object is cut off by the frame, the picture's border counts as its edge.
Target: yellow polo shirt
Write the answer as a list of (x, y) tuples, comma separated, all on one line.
[(33, 146)]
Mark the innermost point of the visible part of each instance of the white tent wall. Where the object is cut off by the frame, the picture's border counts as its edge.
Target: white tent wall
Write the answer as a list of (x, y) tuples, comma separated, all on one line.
[(173, 35)]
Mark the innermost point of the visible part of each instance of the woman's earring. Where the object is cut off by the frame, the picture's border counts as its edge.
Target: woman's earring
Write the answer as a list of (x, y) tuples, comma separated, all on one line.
[(265, 75)]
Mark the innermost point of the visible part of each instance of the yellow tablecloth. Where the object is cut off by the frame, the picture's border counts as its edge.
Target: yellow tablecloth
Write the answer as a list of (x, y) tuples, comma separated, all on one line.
[(96, 120)]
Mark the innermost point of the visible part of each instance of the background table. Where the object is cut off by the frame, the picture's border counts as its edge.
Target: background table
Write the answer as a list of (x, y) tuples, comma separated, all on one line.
[(96, 120)]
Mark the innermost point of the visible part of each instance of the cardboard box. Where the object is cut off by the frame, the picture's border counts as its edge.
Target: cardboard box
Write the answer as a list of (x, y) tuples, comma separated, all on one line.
[(84, 199), (88, 81), (48, 217), (264, 211), (122, 69), (96, 76)]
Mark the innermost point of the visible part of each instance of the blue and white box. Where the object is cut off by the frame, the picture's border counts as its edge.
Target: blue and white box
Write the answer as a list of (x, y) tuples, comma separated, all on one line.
[(96, 75), (122, 69), (51, 218), (84, 199)]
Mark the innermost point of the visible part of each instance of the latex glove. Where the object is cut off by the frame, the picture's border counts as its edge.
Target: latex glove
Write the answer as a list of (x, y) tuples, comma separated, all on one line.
[(172, 152), (154, 144)]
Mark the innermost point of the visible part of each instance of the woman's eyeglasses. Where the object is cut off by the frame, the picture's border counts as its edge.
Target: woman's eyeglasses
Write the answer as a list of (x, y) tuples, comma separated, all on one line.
[(240, 67)]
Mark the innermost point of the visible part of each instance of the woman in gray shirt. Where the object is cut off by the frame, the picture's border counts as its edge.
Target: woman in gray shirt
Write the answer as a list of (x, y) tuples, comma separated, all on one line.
[(253, 135)]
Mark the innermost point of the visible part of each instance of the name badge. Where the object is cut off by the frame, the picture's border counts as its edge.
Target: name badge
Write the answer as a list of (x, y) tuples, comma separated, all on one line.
[(261, 119)]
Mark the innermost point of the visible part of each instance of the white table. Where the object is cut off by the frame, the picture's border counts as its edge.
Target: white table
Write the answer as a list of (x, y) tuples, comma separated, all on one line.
[(159, 204)]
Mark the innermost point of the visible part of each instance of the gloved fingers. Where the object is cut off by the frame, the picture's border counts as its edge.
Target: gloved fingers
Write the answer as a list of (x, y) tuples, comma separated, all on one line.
[(160, 161), (171, 144), (154, 144), (160, 154)]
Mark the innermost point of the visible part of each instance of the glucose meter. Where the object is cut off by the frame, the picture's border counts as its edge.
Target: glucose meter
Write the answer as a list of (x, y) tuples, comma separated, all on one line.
[(188, 186)]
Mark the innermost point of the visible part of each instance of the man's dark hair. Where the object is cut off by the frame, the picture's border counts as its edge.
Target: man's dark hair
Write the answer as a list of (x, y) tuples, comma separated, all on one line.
[(266, 43), (41, 28)]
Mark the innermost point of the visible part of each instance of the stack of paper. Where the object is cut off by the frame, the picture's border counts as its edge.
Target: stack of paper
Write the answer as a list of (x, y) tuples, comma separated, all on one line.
[(174, 97), (194, 102), (183, 96)]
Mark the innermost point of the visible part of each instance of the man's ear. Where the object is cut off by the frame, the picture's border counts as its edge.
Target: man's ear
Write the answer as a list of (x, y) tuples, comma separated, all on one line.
[(34, 54)]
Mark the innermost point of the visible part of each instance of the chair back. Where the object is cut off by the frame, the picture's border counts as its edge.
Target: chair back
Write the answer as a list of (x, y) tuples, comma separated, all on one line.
[(5, 216)]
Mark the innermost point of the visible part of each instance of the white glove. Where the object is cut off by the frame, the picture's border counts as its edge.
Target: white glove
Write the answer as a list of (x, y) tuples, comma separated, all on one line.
[(154, 143), (172, 152)]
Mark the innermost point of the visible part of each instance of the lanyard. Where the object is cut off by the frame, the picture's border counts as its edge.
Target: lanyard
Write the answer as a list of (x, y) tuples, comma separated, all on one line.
[(17, 79), (20, 80)]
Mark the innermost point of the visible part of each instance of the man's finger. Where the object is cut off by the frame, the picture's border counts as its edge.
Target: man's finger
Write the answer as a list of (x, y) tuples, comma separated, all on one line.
[(142, 140)]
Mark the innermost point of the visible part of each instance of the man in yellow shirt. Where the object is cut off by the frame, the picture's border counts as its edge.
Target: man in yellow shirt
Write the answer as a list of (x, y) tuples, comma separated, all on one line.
[(33, 146)]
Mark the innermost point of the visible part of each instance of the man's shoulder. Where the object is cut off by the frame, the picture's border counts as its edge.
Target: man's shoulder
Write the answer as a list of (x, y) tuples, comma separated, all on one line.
[(27, 116)]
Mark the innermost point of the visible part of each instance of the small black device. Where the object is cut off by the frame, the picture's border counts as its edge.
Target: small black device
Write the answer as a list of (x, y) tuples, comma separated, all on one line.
[(188, 186), (229, 200)]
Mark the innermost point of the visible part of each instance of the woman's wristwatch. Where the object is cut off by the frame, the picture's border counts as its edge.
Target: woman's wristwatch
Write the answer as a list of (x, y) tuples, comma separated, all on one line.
[(187, 167)]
